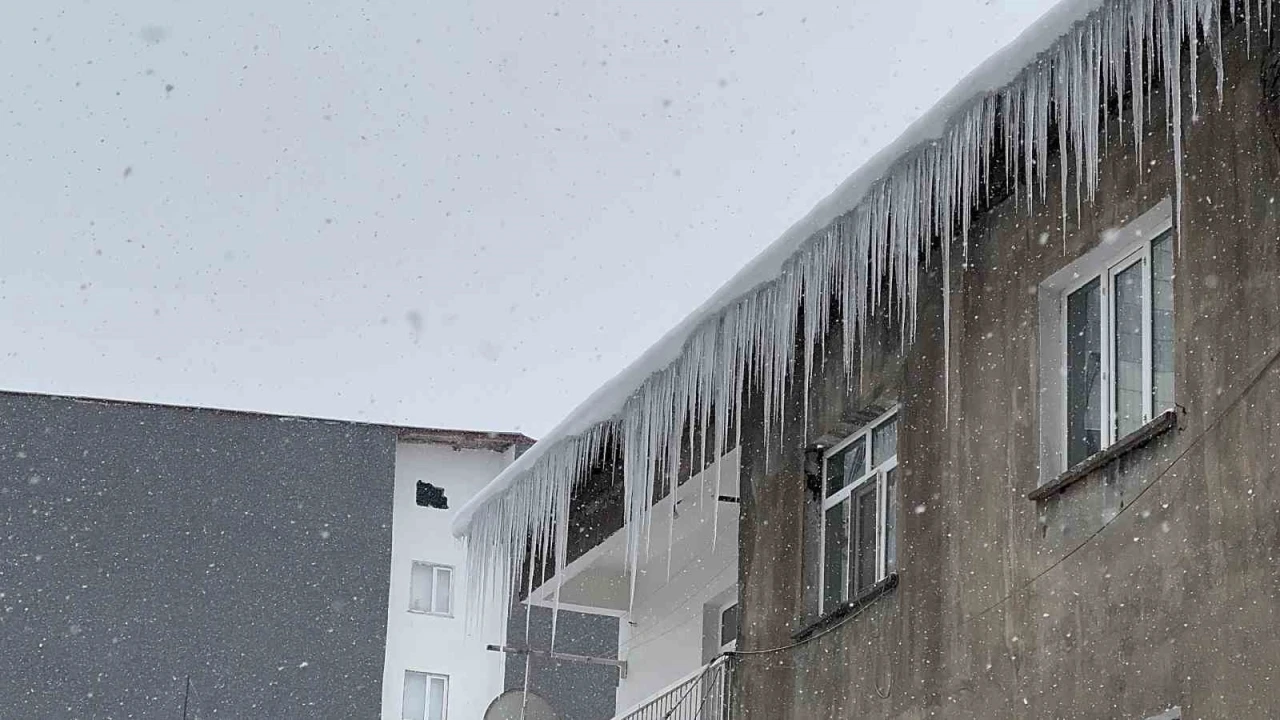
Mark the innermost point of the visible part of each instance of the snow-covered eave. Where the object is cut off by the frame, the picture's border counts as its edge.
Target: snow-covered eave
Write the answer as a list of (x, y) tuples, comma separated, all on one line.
[(606, 402)]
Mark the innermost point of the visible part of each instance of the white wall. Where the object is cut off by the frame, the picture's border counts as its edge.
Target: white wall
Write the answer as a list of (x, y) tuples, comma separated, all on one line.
[(661, 638), (429, 643)]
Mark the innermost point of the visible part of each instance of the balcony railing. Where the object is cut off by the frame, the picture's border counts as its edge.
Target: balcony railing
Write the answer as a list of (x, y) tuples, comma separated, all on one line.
[(704, 696)]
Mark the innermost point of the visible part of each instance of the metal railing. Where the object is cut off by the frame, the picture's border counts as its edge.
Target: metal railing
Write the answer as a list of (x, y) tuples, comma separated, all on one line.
[(705, 696)]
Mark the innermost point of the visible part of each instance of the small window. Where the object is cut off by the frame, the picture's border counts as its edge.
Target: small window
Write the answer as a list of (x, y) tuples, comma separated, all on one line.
[(859, 512), (431, 589), (729, 627), (1107, 342), (426, 696)]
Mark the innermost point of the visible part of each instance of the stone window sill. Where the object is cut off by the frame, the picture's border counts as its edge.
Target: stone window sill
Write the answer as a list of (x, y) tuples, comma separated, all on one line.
[(852, 607), (1157, 426)]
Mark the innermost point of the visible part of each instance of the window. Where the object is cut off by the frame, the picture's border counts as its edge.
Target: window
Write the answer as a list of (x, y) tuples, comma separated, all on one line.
[(859, 512), (426, 696), (1107, 342), (729, 627), (431, 589)]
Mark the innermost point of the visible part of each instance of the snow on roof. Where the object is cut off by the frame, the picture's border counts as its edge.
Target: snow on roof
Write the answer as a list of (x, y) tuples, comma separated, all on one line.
[(605, 402), (1044, 44)]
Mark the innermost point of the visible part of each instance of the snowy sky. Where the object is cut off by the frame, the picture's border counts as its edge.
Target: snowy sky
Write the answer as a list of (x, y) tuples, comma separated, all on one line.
[(433, 213)]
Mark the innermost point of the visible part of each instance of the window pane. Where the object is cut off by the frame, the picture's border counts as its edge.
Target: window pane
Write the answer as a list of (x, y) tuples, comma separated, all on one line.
[(444, 590), (884, 441), (835, 556), (414, 703), (865, 544), (1130, 393), (420, 582), (435, 708), (729, 625), (846, 466), (1162, 323), (1084, 367), (835, 473), (891, 521)]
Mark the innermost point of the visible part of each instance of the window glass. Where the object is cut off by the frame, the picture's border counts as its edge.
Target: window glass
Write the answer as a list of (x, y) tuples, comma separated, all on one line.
[(413, 704), (729, 625), (1127, 337), (1084, 370), (435, 702), (865, 521), (421, 583), (891, 521), (1162, 323), (884, 441), (443, 591), (835, 555), (858, 541), (1114, 368), (846, 466)]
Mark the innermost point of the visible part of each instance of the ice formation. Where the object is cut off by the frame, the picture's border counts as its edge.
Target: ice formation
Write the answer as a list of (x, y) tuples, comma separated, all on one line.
[(864, 247)]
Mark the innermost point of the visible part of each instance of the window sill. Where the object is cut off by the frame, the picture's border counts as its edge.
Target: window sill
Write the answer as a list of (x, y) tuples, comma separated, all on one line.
[(1157, 426), (428, 613), (852, 607)]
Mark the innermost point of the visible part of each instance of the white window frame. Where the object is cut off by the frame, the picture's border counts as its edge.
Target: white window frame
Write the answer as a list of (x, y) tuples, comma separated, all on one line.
[(1129, 245), (877, 474), (436, 570), (444, 704), (1139, 253), (719, 630)]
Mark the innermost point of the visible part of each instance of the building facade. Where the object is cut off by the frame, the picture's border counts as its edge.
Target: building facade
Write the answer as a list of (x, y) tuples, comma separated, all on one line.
[(145, 544), (436, 666), (1016, 455), (1085, 519)]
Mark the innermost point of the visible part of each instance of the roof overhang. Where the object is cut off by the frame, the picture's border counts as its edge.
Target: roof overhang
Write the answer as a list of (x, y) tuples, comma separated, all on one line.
[(701, 535)]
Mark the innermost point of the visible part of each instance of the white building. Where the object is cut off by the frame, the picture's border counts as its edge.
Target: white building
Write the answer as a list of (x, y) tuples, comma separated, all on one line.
[(434, 670)]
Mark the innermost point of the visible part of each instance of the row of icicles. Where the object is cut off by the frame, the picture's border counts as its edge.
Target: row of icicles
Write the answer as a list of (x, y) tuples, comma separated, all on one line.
[(1125, 46)]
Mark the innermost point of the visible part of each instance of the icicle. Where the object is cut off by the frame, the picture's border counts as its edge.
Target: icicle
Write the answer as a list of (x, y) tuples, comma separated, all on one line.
[(946, 331)]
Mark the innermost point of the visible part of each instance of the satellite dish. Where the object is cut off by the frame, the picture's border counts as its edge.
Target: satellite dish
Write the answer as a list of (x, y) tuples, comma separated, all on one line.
[(510, 704)]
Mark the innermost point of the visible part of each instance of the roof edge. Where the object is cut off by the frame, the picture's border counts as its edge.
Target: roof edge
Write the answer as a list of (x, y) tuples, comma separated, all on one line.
[(463, 439), (997, 71)]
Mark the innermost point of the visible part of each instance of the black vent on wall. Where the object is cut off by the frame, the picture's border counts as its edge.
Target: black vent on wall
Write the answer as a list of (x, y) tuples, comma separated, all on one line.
[(431, 496)]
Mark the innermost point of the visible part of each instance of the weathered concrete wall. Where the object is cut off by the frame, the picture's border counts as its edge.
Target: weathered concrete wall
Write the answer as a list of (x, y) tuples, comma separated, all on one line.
[(1176, 601), (141, 543)]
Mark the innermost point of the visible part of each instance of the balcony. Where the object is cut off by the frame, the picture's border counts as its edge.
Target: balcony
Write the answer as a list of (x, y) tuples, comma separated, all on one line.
[(705, 695)]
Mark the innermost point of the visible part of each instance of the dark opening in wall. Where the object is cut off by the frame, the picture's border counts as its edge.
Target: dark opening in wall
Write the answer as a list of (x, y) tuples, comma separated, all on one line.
[(431, 496)]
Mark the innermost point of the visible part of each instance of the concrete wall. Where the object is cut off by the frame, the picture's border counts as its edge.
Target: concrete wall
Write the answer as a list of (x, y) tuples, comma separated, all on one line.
[(998, 614), (142, 543), (432, 643)]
